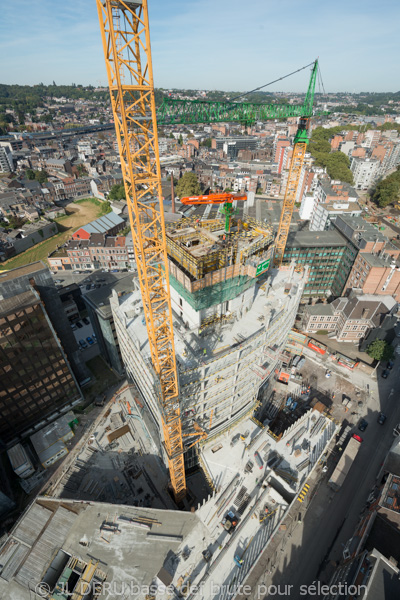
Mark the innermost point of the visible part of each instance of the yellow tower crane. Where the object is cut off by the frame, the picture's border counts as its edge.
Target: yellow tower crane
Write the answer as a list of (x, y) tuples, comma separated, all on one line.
[(125, 34)]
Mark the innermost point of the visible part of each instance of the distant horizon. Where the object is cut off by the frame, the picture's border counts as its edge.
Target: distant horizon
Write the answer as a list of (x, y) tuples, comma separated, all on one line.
[(233, 90), (208, 45)]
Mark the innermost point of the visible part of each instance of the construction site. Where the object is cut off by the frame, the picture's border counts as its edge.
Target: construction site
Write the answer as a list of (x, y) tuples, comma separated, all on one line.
[(98, 544), (232, 315), (204, 337)]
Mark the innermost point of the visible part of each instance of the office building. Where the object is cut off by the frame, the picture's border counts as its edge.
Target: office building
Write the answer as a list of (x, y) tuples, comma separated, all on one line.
[(36, 381), (329, 257)]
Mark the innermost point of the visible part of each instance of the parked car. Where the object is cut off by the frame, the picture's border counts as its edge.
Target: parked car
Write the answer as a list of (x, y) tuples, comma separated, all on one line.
[(363, 424), (79, 325), (73, 326), (89, 341), (390, 365), (83, 344), (381, 418), (385, 374), (86, 321), (88, 286)]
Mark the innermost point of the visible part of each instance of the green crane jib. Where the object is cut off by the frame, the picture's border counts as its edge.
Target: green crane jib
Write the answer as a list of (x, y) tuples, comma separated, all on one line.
[(173, 111)]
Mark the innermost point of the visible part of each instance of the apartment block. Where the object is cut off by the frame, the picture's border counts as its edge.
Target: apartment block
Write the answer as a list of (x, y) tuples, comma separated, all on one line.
[(348, 319), (6, 160), (375, 274), (98, 252), (365, 172)]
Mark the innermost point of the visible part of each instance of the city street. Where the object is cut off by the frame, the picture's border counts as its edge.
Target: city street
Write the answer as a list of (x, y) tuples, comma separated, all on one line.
[(305, 551)]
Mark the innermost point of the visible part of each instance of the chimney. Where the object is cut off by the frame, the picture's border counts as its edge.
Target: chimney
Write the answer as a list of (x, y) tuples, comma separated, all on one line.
[(172, 194)]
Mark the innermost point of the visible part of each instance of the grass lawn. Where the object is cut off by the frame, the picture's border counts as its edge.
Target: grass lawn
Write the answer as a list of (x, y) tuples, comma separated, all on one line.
[(78, 213)]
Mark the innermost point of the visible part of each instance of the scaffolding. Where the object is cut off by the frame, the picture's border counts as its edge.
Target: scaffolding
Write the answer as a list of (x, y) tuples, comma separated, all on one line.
[(203, 247), (214, 294)]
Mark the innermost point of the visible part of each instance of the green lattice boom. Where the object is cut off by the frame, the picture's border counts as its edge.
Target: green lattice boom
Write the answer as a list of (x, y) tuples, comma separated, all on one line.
[(174, 111)]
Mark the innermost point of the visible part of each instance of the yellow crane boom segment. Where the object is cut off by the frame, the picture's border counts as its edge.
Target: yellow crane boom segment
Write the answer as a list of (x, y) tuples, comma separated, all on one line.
[(296, 166), (124, 26)]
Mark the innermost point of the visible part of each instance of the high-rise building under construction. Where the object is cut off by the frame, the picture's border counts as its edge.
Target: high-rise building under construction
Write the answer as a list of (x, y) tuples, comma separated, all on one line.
[(232, 315)]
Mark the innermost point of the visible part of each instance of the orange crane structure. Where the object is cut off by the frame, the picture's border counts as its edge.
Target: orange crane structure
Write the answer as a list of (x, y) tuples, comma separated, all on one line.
[(225, 198), (124, 26)]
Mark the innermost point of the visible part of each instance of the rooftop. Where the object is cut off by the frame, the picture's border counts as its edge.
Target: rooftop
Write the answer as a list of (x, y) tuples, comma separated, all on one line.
[(17, 302), (103, 224), (390, 498), (22, 271), (377, 261), (99, 298), (130, 545), (384, 581), (317, 239), (357, 227)]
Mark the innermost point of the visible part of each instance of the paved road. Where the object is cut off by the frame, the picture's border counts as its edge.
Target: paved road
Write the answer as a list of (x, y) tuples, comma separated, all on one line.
[(304, 552)]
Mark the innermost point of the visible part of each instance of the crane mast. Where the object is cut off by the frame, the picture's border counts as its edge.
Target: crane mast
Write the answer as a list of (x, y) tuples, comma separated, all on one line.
[(124, 26), (296, 166)]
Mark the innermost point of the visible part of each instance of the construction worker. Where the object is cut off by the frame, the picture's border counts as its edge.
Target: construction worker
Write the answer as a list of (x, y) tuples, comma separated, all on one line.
[(204, 351)]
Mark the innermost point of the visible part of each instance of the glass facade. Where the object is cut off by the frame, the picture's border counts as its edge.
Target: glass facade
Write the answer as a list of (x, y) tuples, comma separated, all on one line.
[(35, 379), (329, 267)]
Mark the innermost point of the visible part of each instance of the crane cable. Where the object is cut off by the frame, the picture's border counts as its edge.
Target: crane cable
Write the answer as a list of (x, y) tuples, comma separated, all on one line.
[(271, 82)]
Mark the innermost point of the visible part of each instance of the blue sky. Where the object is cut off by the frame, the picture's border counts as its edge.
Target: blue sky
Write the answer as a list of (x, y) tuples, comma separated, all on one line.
[(212, 44)]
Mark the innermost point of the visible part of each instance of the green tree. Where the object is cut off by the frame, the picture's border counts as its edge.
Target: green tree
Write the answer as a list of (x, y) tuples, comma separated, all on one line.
[(180, 140), (318, 144), (380, 350), (188, 185), (387, 190), (41, 176), (82, 172), (338, 167), (30, 173), (117, 192), (206, 143)]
